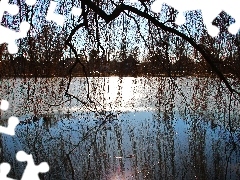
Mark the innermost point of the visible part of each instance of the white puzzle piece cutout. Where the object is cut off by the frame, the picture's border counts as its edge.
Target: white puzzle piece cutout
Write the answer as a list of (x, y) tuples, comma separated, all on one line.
[(51, 16), (4, 105), (30, 2), (76, 11), (210, 10), (10, 36), (58, 18), (31, 171), (4, 170), (12, 121), (10, 8), (233, 9)]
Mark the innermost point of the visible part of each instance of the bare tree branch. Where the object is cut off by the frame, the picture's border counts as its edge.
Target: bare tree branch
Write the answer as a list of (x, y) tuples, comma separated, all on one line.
[(123, 7)]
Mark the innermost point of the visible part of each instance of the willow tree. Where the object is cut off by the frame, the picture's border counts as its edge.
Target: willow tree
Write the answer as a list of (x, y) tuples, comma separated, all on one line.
[(105, 25)]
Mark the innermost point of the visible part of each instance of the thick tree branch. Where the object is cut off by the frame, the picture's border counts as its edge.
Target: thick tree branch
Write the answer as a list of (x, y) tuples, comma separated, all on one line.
[(121, 8)]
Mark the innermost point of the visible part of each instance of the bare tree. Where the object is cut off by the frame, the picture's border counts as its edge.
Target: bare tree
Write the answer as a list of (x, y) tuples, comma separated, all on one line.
[(98, 15), (106, 25)]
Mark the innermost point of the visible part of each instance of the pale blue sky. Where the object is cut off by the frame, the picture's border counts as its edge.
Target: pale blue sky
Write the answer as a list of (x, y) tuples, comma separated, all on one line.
[(191, 28)]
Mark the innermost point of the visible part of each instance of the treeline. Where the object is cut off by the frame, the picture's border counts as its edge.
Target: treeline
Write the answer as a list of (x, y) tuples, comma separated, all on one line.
[(127, 65), (115, 49)]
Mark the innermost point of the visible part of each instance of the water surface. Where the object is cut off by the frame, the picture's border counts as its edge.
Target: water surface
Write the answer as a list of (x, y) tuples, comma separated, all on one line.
[(137, 128)]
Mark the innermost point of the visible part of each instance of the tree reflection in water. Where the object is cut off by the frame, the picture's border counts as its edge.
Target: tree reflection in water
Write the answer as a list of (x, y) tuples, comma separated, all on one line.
[(142, 128)]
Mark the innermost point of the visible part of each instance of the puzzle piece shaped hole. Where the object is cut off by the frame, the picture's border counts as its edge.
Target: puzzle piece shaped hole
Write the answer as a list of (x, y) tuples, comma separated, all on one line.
[(31, 171), (4, 105), (12, 123), (4, 170)]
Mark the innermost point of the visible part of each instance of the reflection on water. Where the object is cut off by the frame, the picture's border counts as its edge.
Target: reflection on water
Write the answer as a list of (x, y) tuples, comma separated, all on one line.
[(139, 128)]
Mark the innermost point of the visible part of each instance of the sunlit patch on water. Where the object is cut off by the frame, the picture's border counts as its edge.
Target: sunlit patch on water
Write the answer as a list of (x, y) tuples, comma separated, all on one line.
[(154, 128)]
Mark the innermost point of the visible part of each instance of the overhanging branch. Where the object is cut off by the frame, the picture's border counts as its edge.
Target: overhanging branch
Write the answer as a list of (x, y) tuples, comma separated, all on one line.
[(122, 7)]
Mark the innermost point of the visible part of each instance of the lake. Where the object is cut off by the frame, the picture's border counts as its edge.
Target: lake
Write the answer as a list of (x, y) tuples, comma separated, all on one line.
[(134, 128)]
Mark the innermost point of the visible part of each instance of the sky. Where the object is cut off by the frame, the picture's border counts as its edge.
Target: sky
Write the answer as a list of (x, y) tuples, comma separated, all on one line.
[(115, 32)]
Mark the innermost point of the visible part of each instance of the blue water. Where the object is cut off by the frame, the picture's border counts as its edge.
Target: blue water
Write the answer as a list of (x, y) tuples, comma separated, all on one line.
[(157, 131)]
